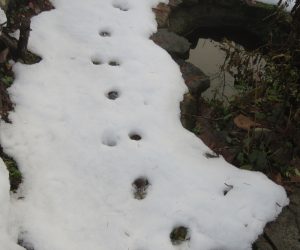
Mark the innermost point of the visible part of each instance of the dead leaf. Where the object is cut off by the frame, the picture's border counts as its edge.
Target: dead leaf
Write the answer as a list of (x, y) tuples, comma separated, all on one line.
[(295, 179), (277, 179), (244, 122), (30, 5), (3, 55)]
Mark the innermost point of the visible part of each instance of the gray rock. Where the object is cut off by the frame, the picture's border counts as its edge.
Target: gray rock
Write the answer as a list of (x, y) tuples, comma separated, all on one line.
[(262, 244), (196, 81), (176, 45), (284, 233), (189, 108), (162, 12), (224, 16)]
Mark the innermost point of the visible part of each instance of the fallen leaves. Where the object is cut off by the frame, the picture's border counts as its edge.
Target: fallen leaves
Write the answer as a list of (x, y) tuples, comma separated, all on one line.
[(3, 55), (277, 178), (244, 122)]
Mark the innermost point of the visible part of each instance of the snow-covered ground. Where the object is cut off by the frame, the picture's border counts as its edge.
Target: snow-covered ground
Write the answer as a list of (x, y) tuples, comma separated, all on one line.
[(3, 18), (7, 242), (73, 144), (291, 2)]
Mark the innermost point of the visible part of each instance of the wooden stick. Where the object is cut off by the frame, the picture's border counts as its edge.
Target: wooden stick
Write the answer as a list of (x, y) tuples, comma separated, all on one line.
[(24, 37)]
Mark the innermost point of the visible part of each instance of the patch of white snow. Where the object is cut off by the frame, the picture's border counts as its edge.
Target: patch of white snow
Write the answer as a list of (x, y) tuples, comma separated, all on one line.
[(79, 158), (6, 240), (290, 3), (3, 18), (15, 34)]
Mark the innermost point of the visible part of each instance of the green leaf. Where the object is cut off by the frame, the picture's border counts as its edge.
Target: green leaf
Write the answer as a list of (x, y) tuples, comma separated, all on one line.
[(228, 139), (240, 157), (226, 117), (247, 142), (8, 80), (247, 167), (258, 159)]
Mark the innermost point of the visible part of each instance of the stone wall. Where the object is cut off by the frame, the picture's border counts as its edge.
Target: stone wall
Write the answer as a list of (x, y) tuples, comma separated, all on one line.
[(184, 17)]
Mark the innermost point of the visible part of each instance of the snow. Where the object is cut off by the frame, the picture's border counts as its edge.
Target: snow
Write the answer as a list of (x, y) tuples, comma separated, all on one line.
[(6, 239), (15, 34), (3, 18), (291, 3), (73, 144)]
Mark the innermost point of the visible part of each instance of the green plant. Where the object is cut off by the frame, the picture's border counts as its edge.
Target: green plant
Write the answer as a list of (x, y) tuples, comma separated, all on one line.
[(267, 81), (15, 176)]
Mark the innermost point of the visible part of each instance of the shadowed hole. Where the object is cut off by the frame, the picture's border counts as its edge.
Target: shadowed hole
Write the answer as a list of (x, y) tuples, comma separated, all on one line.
[(104, 33), (96, 61), (114, 63), (140, 186), (109, 141), (227, 189), (210, 155), (179, 235), (24, 243), (135, 137), (120, 7), (112, 95)]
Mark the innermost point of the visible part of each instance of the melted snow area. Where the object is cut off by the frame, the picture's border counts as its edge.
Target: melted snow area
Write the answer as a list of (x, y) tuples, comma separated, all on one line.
[(101, 112)]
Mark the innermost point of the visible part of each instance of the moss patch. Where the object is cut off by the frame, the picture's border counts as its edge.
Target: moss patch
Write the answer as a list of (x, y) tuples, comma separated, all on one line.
[(15, 176)]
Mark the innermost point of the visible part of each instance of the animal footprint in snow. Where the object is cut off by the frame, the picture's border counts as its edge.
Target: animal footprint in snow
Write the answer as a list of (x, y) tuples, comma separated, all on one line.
[(121, 6), (179, 235), (112, 95), (105, 33), (140, 187)]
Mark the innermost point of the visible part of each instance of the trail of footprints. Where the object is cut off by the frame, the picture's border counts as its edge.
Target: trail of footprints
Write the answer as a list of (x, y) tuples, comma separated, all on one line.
[(140, 185)]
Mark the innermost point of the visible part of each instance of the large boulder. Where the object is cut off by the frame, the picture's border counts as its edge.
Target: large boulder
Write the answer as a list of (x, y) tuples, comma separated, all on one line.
[(285, 232), (226, 15), (189, 110), (177, 46), (162, 12), (196, 81)]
